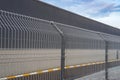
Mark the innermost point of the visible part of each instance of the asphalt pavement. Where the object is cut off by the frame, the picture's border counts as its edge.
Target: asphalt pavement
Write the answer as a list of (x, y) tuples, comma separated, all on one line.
[(113, 74)]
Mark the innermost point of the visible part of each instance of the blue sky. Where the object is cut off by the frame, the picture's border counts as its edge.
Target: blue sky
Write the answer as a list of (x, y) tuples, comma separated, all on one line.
[(105, 11)]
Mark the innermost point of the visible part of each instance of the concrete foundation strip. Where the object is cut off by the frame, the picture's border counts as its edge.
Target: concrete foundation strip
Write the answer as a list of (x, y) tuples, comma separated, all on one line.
[(53, 69)]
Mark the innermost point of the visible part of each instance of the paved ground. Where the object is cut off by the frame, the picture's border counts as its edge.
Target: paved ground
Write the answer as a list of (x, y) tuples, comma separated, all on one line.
[(114, 74)]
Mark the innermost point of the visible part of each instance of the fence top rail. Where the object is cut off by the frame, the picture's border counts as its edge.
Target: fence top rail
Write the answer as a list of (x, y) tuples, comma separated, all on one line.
[(104, 36), (69, 26), (20, 15), (86, 29)]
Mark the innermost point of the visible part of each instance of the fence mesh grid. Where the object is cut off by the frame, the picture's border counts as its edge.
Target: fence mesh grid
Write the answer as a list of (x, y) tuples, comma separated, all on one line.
[(29, 44)]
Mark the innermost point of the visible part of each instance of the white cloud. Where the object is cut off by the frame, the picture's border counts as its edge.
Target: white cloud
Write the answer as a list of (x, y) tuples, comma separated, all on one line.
[(94, 8), (113, 19), (105, 11), (99, 11), (67, 0)]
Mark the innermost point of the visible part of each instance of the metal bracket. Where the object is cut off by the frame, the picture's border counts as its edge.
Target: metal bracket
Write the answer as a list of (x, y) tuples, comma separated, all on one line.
[(62, 50)]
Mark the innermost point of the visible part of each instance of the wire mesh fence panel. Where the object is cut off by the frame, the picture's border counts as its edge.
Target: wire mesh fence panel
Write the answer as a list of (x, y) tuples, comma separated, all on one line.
[(113, 53), (27, 44), (82, 49), (31, 49)]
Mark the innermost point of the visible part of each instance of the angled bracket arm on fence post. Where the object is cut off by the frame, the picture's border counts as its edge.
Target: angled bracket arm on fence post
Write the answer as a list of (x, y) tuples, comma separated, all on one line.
[(62, 50), (106, 56)]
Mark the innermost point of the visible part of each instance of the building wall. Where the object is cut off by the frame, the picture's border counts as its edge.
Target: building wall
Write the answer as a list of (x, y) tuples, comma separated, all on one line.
[(42, 10)]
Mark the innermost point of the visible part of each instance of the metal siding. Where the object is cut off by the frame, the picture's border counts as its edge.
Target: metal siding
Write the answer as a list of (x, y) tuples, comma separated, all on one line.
[(42, 10)]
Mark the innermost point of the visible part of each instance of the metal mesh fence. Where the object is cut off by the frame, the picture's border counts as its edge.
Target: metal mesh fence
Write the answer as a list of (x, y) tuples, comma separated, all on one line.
[(82, 47), (29, 44), (113, 55)]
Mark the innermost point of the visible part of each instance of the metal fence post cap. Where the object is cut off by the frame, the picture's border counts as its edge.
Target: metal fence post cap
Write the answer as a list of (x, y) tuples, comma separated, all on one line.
[(52, 22)]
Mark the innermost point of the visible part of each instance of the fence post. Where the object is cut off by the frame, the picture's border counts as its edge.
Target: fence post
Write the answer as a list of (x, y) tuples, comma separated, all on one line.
[(117, 55), (106, 56), (62, 76), (106, 60)]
